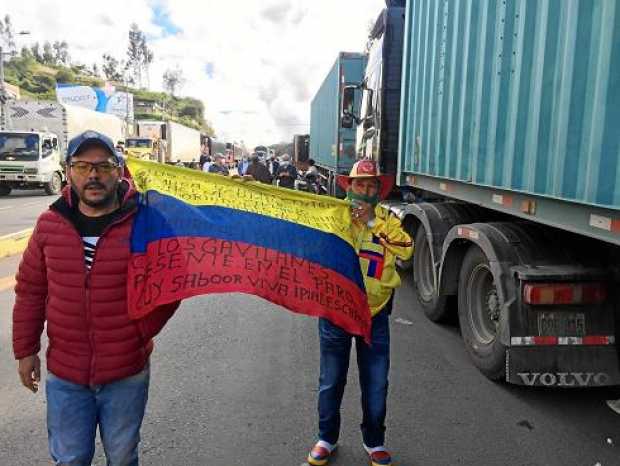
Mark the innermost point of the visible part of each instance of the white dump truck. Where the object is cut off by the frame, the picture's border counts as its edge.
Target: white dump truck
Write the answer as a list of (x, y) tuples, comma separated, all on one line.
[(34, 142)]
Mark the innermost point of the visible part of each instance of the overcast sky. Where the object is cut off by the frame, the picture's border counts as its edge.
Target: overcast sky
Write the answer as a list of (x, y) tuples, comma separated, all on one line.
[(256, 64)]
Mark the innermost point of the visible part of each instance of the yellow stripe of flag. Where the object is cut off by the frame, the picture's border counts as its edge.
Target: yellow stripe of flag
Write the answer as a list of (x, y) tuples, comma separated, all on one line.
[(326, 214)]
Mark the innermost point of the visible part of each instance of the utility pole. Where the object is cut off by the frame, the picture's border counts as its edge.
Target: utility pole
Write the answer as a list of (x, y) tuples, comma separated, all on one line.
[(3, 94)]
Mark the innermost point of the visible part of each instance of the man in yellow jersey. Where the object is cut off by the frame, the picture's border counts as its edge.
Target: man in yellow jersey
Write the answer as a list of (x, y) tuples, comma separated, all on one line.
[(380, 239)]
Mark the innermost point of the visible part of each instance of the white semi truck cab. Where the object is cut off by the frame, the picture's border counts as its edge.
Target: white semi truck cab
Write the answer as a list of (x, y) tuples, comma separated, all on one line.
[(33, 145), (30, 160)]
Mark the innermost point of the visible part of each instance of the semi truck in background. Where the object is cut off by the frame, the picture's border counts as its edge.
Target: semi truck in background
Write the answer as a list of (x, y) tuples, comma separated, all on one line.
[(171, 142), (233, 152), (378, 123), (301, 149), (332, 145), (509, 145), (140, 148), (33, 145)]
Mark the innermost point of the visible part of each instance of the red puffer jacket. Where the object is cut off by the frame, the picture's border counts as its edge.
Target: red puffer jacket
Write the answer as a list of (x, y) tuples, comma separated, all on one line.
[(91, 338)]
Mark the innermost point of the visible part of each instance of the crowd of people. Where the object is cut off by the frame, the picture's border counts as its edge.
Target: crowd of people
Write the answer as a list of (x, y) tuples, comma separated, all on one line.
[(269, 169), (72, 280)]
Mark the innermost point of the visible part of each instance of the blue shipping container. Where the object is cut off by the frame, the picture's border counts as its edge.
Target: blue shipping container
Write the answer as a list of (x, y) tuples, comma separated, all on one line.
[(517, 95), (331, 146)]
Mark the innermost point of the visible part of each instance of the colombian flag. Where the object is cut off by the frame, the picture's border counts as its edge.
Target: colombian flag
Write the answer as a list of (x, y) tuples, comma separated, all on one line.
[(197, 233)]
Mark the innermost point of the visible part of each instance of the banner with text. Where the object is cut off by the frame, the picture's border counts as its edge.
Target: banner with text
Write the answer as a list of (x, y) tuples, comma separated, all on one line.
[(197, 233), (105, 100)]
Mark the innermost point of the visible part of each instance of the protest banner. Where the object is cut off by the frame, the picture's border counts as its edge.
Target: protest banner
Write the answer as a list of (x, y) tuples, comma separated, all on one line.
[(197, 233)]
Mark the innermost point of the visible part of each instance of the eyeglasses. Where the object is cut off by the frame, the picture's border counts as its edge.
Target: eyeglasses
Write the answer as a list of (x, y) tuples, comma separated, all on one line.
[(84, 168)]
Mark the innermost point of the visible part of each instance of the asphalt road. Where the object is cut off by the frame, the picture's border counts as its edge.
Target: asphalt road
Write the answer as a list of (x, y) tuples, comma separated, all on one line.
[(20, 209), (234, 383)]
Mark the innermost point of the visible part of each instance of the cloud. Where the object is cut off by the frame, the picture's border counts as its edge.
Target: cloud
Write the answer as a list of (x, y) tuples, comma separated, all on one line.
[(106, 20), (269, 93), (299, 15), (255, 65), (277, 11)]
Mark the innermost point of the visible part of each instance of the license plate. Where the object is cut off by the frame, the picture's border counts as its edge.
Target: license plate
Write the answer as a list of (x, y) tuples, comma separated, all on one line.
[(562, 324)]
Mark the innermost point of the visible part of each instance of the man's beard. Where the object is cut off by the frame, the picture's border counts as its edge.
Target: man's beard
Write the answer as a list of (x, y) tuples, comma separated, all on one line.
[(106, 201)]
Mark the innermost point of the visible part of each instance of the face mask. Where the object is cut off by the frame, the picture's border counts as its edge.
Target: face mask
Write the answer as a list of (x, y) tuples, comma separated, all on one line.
[(372, 200)]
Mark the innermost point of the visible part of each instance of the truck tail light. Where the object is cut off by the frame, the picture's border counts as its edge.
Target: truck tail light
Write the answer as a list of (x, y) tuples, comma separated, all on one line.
[(564, 293), (587, 340)]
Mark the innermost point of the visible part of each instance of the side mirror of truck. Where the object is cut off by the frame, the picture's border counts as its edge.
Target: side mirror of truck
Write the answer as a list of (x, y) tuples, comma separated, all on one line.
[(346, 121), (348, 107)]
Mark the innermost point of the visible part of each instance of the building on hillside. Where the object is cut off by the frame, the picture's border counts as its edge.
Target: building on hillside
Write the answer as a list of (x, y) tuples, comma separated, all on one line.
[(146, 106)]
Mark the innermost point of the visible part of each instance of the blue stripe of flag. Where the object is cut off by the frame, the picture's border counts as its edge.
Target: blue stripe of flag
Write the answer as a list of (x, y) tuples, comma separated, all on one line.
[(161, 216)]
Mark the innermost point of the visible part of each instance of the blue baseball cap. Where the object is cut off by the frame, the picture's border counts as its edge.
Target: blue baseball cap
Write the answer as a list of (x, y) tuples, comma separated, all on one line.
[(92, 137)]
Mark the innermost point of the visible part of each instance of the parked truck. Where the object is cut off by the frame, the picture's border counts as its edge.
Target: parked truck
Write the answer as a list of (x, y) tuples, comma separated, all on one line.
[(171, 142), (509, 144), (141, 148), (377, 132), (301, 143), (332, 146), (33, 144)]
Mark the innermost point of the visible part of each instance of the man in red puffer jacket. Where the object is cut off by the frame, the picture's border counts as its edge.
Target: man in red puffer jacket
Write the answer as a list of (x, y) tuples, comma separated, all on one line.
[(73, 275)]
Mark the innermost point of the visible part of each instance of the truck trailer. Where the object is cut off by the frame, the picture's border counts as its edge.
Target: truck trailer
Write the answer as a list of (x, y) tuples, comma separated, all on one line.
[(509, 162), (33, 145), (332, 146), (171, 142)]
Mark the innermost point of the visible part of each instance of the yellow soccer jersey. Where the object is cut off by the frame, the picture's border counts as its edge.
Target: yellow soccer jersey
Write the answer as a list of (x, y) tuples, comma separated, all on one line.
[(378, 246)]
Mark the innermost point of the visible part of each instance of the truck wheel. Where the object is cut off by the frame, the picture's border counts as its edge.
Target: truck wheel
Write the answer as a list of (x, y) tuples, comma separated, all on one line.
[(5, 190), (434, 306), (479, 315), (54, 186)]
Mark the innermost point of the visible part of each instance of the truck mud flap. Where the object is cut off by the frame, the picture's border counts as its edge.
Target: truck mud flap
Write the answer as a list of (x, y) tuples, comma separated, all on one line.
[(592, 366)]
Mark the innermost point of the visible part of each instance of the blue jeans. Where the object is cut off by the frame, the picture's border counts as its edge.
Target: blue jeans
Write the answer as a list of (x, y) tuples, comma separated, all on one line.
[(373, 363), (74, 412)]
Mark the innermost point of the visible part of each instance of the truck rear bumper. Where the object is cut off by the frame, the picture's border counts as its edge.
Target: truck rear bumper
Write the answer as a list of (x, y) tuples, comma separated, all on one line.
[(591, 366), (19, 178)]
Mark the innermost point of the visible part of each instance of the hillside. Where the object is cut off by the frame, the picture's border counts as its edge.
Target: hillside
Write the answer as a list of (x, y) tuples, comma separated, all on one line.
[(38, 81)]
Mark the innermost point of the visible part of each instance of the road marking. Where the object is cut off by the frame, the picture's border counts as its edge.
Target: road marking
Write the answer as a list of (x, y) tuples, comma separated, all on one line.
[(6, 208), (14, 243), (30, 204), (7, 283), (402, 321)]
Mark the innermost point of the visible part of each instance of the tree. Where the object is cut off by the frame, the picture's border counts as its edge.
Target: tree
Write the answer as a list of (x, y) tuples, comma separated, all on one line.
[(134, 53), (7, 37), (111, 68), (48, 54), (61, 52), (139, 56), (36, 52), (173, 80), (147, 59), (65, 76), (26, 53)]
